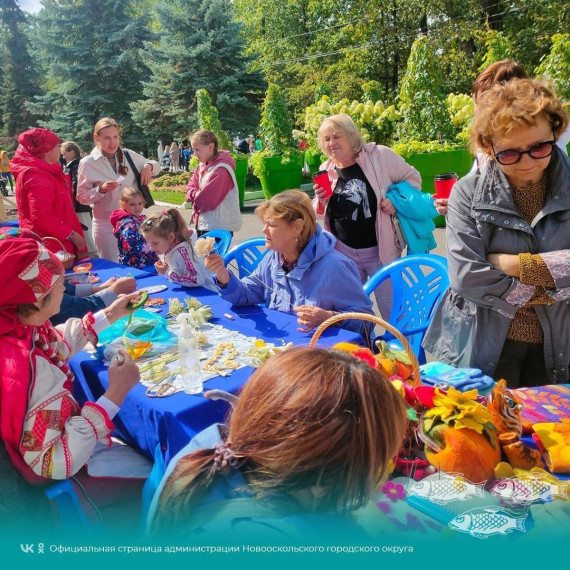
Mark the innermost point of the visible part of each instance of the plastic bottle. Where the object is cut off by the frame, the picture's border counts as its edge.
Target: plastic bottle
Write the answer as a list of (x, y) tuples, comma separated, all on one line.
[(189, 356)]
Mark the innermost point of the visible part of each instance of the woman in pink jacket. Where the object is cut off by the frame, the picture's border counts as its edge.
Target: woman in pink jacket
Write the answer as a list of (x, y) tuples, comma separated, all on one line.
[(358, 212)]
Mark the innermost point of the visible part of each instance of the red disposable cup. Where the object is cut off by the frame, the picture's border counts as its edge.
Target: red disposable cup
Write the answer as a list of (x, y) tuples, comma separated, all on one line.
[(443, 184), (322, 179)]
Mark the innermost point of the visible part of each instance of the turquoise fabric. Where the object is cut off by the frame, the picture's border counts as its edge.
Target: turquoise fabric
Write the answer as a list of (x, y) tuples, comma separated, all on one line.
[(416, 211)]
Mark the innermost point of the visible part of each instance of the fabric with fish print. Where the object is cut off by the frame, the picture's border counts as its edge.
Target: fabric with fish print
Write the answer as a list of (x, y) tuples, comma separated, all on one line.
[(442, 488), (487, 521)]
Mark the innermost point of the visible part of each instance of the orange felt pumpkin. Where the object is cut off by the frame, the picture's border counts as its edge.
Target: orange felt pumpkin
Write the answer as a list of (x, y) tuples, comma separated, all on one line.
[(464, 451)]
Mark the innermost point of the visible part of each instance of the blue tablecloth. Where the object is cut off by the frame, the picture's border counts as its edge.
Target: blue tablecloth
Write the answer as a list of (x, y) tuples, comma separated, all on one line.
[(145, 422)]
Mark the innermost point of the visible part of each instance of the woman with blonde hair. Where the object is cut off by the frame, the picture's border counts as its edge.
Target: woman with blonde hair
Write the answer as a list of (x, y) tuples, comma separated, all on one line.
[(508, 244), (358, 213), (302, 273), (310, 438), (101, 177), (175, 156)]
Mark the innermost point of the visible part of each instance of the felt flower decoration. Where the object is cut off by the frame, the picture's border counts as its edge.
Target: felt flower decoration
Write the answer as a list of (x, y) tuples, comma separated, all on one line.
[(394, 491)]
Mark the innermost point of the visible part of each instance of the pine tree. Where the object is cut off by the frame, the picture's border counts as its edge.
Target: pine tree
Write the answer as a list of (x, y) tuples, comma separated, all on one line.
[(200, 47), (91, 53), (18, 78)]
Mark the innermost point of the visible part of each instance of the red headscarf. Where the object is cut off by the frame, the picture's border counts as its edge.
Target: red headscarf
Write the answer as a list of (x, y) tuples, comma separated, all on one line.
[(39, 141), (29, 273)]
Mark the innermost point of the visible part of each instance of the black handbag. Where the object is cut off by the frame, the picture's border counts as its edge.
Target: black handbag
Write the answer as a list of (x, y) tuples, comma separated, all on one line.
[(148, 201)]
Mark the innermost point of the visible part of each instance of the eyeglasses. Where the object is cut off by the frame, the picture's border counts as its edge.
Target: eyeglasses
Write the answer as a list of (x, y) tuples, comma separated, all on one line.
[(511, 156)]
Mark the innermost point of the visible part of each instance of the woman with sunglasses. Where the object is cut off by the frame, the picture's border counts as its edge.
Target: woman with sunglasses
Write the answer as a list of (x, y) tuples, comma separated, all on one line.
[(507, 310)]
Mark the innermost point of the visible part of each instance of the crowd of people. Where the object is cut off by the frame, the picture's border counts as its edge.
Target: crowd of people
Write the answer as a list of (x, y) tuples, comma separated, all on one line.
[(314, 430)]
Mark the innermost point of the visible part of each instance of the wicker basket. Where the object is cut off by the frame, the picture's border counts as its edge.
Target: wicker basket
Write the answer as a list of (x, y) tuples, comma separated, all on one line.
[(64, 256), (377, 321)]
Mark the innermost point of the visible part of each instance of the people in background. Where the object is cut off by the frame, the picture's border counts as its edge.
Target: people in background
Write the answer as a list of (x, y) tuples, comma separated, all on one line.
[(72, 154), (101, 177), (212, 189), (43, 193), (5, 168)]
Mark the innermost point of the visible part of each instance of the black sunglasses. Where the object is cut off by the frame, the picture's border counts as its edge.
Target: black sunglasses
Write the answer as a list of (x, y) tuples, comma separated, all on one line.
[(511, 156)]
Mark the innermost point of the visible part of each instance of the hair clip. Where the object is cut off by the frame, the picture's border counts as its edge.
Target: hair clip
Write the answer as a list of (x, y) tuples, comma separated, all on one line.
[(165, 212)]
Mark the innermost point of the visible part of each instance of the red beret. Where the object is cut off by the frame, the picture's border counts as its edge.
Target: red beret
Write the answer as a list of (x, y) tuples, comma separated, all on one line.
[(38, 141)]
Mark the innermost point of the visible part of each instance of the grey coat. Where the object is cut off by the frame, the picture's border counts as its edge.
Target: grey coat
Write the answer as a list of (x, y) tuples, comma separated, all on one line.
[(472, 321)]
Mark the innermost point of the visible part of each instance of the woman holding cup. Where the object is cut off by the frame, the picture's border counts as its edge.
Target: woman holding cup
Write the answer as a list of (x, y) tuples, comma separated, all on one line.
[(355, 208)]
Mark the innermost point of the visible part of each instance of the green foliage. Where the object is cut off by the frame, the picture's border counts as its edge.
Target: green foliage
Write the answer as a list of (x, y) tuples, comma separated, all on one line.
[(407, 148), (372, 91), (375, 121), (460, 108), (199, 47), (322, 89), (91, 54), (19, 80), (208, 119), (422, 97), (498, 48), (556, 65), (170, 181)]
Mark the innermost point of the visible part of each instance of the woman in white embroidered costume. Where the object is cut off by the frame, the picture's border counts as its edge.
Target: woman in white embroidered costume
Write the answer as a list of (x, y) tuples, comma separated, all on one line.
[(46, 434)]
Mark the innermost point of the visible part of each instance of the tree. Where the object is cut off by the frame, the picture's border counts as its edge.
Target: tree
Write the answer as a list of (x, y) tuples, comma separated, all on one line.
[(90, 50), (19, 79), (209, 119), (199, 47), (556, 65)]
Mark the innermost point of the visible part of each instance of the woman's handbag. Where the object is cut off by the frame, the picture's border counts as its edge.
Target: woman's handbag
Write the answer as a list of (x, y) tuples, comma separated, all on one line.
[(148, 201)]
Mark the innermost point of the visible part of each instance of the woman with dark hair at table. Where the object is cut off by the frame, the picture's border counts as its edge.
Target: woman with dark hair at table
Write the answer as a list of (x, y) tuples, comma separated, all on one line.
[(43, 193), (303, 272), (310, 438), (508, 244), (358, 213), (46, 434)]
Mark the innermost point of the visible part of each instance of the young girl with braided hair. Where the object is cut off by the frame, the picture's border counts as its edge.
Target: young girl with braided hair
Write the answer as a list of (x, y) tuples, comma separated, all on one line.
[(310, 438), (101, 177), (169, 237)]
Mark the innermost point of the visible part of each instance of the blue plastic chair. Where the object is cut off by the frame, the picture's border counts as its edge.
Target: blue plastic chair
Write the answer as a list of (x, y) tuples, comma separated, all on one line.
[(68, 509), (418, 284), (247, 255), (223, 240)]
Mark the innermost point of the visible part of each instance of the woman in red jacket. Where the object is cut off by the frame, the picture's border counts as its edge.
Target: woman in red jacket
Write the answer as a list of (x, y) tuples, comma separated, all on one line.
[(43, 192)]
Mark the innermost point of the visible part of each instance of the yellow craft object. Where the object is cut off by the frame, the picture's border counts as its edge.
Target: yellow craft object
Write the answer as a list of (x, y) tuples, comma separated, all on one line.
[(138, 348), (555, 437)]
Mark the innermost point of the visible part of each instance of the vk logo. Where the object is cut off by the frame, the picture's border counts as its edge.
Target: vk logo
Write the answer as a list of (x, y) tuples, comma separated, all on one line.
[(27, 548)]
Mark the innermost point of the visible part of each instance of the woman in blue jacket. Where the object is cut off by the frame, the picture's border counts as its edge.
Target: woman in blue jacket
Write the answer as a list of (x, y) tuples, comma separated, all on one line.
[(303, 272)]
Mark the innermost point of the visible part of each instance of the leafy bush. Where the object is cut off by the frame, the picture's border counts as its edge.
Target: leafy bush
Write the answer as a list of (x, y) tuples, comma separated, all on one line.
[(406, 149), (375, 121), (276, 131), (556, 64), (175, 182)]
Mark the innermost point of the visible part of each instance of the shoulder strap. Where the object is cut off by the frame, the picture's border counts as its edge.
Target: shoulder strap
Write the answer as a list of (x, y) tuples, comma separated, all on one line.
[(132, 165), (241, 508)]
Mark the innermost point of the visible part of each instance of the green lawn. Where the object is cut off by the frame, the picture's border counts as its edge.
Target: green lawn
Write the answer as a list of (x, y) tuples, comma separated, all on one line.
[(169, 197)]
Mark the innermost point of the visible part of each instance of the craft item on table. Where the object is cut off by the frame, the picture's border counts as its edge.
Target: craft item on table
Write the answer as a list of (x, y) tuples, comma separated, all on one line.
[(553, 441), (528, 487), (200, 313), (205, 246), (146, 331), (462, 379), (518, 454), (443, 488), (135, 304), (92, 278), (394, 362), (223, 359), (483, 522), (543, 404), (150, 289), (262, 351), (165, 369), (82, 267), (505, 410), (459, 436), (154, 302)]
